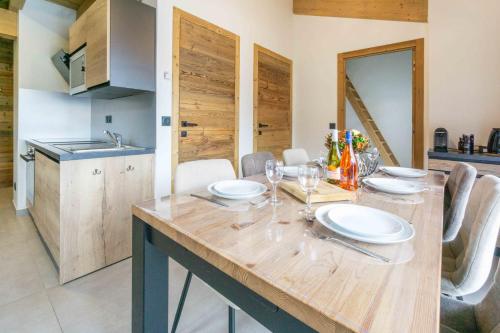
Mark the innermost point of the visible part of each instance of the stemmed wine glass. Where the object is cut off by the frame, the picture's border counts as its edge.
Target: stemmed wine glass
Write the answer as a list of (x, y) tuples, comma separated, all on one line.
[(308, 179), (274, 173)]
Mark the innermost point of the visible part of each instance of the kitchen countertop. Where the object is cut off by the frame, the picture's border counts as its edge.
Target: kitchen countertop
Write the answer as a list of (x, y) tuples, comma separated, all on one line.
[(453, 155), (45, 146)]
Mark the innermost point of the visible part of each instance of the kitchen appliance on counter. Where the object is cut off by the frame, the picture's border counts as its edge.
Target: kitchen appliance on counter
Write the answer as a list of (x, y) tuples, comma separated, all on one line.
[(494, 141), (441, 140)]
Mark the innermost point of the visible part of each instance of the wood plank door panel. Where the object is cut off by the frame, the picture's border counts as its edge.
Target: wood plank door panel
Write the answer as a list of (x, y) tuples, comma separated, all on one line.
[(206, 85), (272, 101)]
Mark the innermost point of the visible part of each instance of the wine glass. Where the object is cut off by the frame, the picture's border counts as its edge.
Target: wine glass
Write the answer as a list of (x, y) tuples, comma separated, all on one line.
[(274, 173), (308, 179), (323, 161)]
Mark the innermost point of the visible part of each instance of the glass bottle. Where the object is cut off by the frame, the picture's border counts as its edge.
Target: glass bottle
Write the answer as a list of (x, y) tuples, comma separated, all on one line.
[(333, 175), (348, 166)]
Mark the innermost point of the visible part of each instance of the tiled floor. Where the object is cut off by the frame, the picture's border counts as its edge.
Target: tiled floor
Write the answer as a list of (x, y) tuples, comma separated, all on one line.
[(31, 299)]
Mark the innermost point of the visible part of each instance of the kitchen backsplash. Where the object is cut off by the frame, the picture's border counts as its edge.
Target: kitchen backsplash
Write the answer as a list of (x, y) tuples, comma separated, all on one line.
[(133, 117)]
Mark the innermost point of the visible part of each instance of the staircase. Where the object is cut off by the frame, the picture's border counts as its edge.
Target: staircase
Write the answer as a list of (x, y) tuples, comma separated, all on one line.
[(369, 123)]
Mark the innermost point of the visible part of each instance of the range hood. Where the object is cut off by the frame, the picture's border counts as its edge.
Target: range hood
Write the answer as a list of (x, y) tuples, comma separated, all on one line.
[(61, 61)]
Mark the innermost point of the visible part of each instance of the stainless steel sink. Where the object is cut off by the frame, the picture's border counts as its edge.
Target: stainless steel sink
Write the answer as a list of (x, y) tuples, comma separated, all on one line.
[(89, 147)]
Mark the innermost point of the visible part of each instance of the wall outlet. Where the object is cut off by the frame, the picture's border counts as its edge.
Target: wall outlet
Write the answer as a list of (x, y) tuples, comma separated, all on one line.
[(332, 126), (165, 121), (109, 119)]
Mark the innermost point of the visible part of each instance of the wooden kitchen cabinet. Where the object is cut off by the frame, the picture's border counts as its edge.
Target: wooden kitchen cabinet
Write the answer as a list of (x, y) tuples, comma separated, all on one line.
[(93, 29), (83, 209)]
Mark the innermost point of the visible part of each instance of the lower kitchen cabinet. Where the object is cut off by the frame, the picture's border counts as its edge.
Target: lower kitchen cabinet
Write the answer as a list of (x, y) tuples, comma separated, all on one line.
[(83, 209)]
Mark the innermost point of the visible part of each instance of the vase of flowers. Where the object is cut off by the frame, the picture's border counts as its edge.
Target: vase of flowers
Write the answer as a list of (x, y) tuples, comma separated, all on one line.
[(367, 161), (359, 142)]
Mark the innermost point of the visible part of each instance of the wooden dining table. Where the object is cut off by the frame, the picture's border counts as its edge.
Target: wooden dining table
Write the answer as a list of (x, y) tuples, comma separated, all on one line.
[(271, 263)]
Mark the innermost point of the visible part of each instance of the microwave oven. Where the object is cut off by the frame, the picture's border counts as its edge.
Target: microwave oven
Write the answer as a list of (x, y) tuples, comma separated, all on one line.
[(77, 65)]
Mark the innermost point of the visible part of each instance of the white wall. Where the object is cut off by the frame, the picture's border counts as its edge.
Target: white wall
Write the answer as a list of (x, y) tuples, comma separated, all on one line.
[(133, 117), (384, 83), (462, 67), (265, 22), (43, 108), (318, 40)]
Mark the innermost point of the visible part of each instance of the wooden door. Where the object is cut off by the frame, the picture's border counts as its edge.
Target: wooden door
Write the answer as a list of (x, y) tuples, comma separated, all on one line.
[(272, 101), (205, 91)]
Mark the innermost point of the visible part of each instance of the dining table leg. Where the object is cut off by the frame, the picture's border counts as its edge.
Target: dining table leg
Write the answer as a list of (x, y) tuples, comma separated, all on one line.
[(149, 282)]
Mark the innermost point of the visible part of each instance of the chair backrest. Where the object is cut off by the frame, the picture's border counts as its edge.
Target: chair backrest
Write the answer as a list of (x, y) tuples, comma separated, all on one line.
[(255, 164), (487, 312), (456, 195), (197, 175), (295, 156), (475, 245)]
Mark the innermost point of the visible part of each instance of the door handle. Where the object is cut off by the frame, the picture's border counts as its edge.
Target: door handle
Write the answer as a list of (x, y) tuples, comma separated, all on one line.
[(130, 168), (96, 172), (261, 125), (185, 123)]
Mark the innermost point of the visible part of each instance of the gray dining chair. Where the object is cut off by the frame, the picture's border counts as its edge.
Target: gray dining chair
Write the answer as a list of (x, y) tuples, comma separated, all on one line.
[(467, 260), (461, 317), (195, 176), (295, 156), (255, 164), (456, 194)]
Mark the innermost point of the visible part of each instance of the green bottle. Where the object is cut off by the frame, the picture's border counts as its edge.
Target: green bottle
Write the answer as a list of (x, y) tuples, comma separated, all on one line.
[(333, 175)]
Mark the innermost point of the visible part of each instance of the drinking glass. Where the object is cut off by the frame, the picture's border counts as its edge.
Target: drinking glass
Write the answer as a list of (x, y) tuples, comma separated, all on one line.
[(274, 173), (323, 161), (308, 179)]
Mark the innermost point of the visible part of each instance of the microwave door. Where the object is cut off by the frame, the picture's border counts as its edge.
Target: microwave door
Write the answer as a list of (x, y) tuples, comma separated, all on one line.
[(77, 73)]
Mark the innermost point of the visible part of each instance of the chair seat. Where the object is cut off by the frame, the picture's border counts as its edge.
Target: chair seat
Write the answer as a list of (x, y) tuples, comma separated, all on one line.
[(457, 316)]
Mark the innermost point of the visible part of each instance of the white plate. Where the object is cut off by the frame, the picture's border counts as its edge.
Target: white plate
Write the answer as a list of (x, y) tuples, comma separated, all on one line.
[(406, 234), (212, 190), (237, 187), (291, 171), (365, 221), (404, 172), (394, 186)]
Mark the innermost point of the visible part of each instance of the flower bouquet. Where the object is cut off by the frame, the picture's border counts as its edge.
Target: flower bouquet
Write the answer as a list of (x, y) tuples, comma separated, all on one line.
[(359, 142)]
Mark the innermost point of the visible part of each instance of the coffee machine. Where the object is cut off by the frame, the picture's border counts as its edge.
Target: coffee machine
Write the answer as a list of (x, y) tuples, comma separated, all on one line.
[(494, 141), (441, 140)]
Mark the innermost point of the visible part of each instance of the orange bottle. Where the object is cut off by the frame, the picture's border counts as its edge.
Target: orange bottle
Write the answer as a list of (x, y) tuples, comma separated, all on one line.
[(348, 166)]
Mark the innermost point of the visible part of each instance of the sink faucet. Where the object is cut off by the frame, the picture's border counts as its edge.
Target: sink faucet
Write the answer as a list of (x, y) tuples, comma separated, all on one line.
[(115, 137)]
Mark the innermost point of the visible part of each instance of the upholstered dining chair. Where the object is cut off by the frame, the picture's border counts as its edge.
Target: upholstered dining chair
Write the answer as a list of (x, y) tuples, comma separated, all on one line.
[(255, 164), (295, 156), (456, 194), (468, 258), (461, 317), (196, 175)]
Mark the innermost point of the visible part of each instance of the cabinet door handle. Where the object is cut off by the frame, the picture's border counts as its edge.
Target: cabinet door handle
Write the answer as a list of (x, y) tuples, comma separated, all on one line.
[(130, 168), (96, 172)]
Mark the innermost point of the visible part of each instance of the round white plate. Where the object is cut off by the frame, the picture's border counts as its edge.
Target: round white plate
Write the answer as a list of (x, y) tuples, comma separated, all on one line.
[(406, 234), (291, 171), (212, 190), (404, 172), (365, 221), (394, 186), (237, 187)]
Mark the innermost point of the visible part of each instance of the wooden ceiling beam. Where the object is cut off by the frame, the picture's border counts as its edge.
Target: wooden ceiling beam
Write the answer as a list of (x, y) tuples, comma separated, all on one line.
[(16, 5), (8, 24), (393, 10)]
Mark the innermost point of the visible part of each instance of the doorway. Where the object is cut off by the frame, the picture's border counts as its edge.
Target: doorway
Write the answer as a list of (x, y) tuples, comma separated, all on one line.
[(272, 101), (380, 92), (6, 112), (205, 113)]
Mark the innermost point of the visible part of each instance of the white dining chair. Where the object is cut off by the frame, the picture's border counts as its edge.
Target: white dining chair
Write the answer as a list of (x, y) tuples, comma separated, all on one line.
[(467, 260), (255, 164), (194, 176), (461, 317), (456, 195), (295, 156)]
